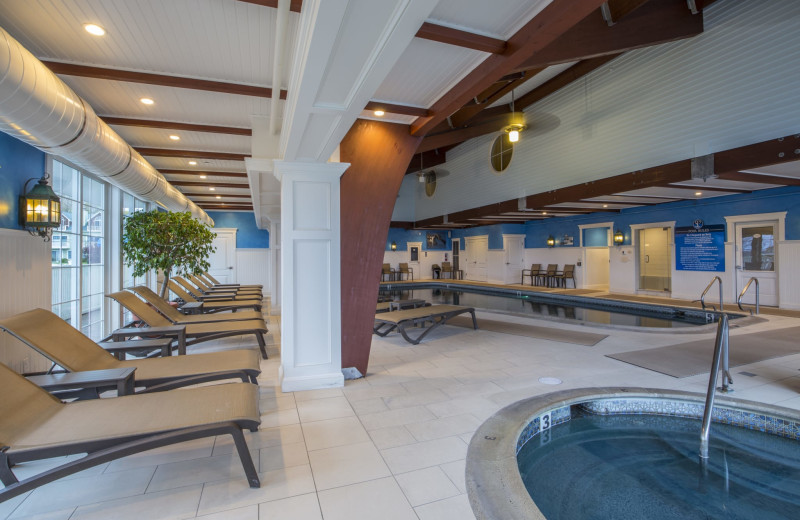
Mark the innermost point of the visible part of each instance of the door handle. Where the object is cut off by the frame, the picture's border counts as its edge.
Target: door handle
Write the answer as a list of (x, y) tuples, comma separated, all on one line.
[(230, 268)]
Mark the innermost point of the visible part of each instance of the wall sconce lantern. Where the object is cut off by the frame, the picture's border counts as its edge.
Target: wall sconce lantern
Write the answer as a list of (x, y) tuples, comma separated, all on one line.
[(394, 246), (619, 238), (551, 241), (40, 209)]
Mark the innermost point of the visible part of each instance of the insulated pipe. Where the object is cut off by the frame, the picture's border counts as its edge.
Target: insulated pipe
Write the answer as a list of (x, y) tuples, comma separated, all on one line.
[(281, 24), (38, 108)]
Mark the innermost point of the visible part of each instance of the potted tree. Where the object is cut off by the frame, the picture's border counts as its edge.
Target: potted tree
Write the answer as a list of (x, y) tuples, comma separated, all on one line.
[(166, 241)]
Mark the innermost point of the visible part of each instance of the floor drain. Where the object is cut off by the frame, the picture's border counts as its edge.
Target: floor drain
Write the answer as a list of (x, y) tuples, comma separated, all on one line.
[(550, 380)]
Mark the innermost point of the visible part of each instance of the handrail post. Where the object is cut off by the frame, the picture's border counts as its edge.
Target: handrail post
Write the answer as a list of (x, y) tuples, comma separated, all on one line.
[(719, 344), (741, 295), (710, 284)]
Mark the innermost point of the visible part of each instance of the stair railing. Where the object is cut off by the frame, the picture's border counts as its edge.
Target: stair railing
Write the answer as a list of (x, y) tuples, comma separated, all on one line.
[(741, 295)]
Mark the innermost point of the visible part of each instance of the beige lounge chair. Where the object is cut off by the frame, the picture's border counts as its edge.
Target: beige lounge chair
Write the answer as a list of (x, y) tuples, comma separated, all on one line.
[(195, 333), (213, 304), (428, 318), (208, 288), (35, 425), (399, 305), (57, 340), (215, 283), (203, 295), (178, 318)]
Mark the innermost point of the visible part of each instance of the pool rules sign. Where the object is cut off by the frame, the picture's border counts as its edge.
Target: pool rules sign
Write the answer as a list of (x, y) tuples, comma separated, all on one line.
[(700, 247)]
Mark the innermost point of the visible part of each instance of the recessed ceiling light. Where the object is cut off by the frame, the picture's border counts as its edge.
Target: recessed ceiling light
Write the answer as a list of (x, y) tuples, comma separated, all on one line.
[(175, 137), (202, 176), (192, 163), (605, 205), (219, 196), (94, 29), (544, 213), (379, 113), (698, 193), (212, 188), (147, 101)]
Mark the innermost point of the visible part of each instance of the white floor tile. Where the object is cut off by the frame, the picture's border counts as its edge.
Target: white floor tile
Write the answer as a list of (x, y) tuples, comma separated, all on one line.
[(343, 465), (173, 453), (426, 485), (448, 509), (321, 409), (334, 432), (377, 499), (303, 507), (263, 438), (397, 417), (392, 437), (283, 456), (241, 513), (324, 393), (456, 471), (165, 505), (445, 427), (424, 454), (279, 418), (198, 471)]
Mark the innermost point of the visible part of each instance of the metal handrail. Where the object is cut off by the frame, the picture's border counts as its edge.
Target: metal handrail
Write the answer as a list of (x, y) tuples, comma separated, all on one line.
[(741, 294), (703, 296), (720, 356)]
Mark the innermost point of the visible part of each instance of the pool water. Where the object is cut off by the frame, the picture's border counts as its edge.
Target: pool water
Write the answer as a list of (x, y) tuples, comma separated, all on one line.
[(647, 467), (541, 306)]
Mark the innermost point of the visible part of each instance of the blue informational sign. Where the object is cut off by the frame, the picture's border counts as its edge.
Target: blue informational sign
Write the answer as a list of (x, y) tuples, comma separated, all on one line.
[(700, 247)]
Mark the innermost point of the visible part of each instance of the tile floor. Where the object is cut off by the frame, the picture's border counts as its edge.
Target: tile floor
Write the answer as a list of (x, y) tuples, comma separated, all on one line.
[(390, 446)]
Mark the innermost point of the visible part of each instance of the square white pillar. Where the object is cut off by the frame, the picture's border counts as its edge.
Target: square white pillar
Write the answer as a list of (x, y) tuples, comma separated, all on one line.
[(310, 286), (275, 262)]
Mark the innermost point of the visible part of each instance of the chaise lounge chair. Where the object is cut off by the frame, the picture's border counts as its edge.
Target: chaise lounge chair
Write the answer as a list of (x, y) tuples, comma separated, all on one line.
[(35, 425), (213, 282), (214, 304), (57, 340), (399, 305), (426, 317), (227, 289), (195, 333), (203, 295), (178, 318)]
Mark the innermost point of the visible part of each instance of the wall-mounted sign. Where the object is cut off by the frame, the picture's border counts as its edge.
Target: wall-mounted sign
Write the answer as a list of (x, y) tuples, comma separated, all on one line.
[(700, 247)]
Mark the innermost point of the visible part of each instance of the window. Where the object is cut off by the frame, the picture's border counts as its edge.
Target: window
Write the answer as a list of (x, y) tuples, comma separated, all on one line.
[(78, 251), (501, 152), (131, 205)]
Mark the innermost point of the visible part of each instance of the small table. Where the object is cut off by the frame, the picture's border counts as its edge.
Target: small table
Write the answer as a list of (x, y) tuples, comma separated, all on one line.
[(170, 331), (191, 308), (120, 349), (122, 378)]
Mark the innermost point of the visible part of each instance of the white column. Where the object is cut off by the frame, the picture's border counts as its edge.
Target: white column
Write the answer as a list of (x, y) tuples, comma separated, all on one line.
[(311, 318), (275, 262)]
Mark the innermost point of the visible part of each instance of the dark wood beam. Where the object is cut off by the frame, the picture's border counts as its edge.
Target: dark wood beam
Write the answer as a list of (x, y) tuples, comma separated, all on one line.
[(763, 179), (211, 185), (455, 137), (398, 224), (214, 194), (294, 5), (560, 81), (173, 125), (225, 208), (450, 36), (655, 22), (427, 159), (433, 221), (712, 189), (196, 173), (147, 78), (166, 152), (579, 209), (397, 109), (758, 155), (378, 154), (489, 96), (555, 19), (628, 203), (618, 9)]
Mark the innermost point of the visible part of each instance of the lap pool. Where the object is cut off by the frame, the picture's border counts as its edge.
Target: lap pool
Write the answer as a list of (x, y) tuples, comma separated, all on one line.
[(552, 306)]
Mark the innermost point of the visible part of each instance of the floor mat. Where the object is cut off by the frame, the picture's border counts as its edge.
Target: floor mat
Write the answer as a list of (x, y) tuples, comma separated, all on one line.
[(532, 331), (694, 357)]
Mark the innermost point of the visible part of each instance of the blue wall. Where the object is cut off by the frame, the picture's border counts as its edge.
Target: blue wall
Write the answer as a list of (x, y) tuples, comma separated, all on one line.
[(248, 234), (402, 237), (18, 162), (684, 213)]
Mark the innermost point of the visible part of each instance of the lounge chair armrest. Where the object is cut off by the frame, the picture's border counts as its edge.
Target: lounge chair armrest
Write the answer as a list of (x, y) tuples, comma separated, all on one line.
[(196, 380)]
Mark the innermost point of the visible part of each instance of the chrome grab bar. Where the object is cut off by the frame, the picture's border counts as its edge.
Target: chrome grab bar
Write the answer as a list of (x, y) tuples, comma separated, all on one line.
[(720, 357), (703, 296), (741, 294)]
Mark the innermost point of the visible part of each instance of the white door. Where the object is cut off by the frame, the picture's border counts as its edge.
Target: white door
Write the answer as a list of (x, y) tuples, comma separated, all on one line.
[(596, 268), (756, 255), (415, 258), (514, 247), (223, 260), (475, 264), (654, 259)]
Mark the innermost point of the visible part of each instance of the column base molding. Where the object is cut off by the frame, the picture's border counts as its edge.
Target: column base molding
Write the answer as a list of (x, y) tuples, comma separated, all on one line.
[(297, 383)]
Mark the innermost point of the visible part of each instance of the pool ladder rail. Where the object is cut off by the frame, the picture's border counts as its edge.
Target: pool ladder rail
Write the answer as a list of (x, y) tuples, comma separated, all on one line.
[(720, 357), (741, 295), (708, 287)]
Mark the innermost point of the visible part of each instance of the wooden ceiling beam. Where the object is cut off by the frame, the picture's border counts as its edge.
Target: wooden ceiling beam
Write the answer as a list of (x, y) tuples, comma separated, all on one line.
[(544, 28), (166, 152), (173, 125), (147, 78), (766, 153), (294, 5), (459, 38), (465, 114), (712, 189), (397, 109), (196, 173), (655, 22), (618, 9), (758, 178), (427, 159), (210, 185), (226, 207), (578, 209), (212, 194)]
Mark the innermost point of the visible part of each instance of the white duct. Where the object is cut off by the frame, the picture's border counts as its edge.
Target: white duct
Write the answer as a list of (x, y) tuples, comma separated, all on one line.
[(281, 25), (40, 109)]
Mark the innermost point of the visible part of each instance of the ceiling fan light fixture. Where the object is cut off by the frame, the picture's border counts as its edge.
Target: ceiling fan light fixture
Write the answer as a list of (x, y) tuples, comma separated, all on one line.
[(94, 29), (380, 112), (147, 101)]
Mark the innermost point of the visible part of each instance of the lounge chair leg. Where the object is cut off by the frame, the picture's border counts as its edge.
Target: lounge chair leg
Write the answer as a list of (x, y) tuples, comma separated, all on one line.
[(247, 460), (262, 344), (7, 477)]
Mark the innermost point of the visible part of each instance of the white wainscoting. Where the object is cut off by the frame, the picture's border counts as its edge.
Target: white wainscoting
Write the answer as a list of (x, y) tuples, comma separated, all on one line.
[(253, 267), (556, 255), (26, 279), (789, 274)]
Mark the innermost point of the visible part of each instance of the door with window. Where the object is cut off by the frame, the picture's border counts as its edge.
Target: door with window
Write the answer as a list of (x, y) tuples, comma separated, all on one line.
[(655, 259), (223, 260), (456, 253), (414, 260), (756, 255)]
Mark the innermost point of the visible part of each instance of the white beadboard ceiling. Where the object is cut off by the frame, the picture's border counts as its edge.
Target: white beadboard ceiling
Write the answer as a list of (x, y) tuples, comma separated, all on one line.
[(160, 138)]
